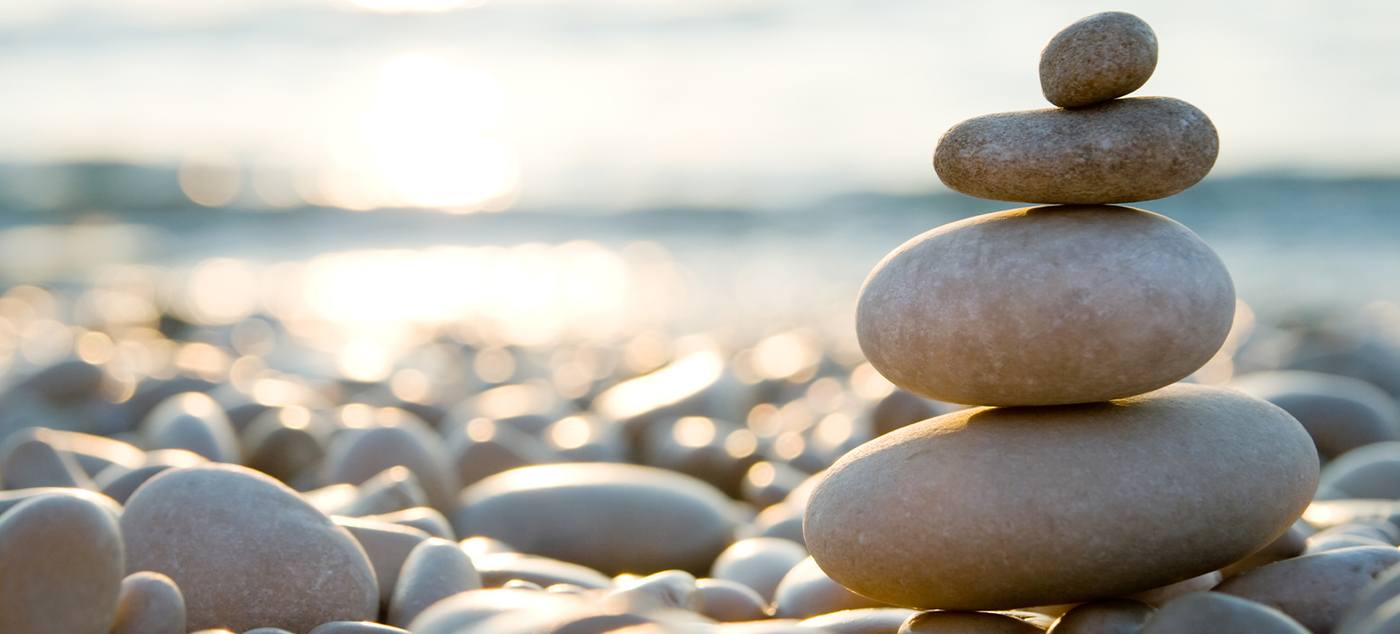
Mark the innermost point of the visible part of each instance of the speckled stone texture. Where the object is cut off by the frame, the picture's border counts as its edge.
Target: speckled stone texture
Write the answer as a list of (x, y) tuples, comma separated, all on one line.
[(1101, 57), (60, 566), (1045, 306), (587, 513), (1124, 150), (246, 551), (998, 508)]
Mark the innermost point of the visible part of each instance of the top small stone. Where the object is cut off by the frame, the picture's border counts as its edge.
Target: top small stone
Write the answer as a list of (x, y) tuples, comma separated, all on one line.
[(1101, 57)]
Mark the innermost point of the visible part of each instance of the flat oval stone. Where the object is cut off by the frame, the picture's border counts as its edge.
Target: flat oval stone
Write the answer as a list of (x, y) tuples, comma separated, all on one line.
[(1046, 306), (610, 517), (1108, 616), (149, 603), (1340, 413), (1216, 613), (1125, 496), (61, 566), (1125, 150), (758, 562), (807, 591), (435, 570), (387, 546), (246, 551), (1316, 590), (965, 623), (729, 601), (1101, 57)]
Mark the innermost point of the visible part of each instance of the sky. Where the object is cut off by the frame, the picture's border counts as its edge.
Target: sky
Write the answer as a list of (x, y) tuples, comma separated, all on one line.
[(620, 104)]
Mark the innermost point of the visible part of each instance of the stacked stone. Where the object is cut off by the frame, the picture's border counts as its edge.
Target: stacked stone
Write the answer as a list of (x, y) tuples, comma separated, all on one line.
[(1087, 474)]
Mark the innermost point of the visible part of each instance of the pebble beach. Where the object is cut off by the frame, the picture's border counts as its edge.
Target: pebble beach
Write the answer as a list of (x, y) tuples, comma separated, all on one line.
[(1063, 414)]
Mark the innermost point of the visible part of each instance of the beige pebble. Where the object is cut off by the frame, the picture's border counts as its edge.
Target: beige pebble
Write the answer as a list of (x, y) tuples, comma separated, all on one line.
[(195, 422), (1340, 413), (1158, 596), (498, 568), (1120, 151), (729, 601), (149, 603), (356, 627), (1315, 590), (758, 562), (1367, 472), (32, 462), (1106, 616), (356, 455), (468, 612), (61, 566), (1216, 613), (423, 518), (1045, 306), (246, 551), (586, 513), (806, 591), (482, 447), (285, 441), (861, 621), (1101, 57), (909, 517), (387, 546), (391, 490), (966, 623), (665, 590), (436, 569)]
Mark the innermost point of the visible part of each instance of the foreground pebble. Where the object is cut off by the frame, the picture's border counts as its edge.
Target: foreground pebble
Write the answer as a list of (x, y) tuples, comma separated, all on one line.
[(1121, 509), (61, 566), (1316, 590), (1101, 57), (434, 570), (1108, 616), (587, 513), (970, 312), (1216, 613), (1120, 151), (806, 591), (246, 551), (149, 603)]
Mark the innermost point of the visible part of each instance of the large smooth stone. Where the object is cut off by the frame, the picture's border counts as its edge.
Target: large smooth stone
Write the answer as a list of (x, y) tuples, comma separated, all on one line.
[(1341, 413), (1101, 57), (1123, 497), (1046, 306), (613, 518), (1120, 151), (60, 566), (149, 604), (1216, 613), (1316, 590), (246, 551)]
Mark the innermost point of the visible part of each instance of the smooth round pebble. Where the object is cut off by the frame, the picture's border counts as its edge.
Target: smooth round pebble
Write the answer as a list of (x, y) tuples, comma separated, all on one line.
[(32, 462), (861, 621), (61, 566), (666, 590), (1340, 413), (729, 601), (246, 551), (356, 627), (966, 623), (387, 546), (806, 591), (758, 562), (436, 569), (1106, 616), (356, 455), (1045, 306), (1120, 151), (1101, 57), (610, 517), (1216, 613), (195, 422), (149, 603), (1169, 484), (1315, 590)]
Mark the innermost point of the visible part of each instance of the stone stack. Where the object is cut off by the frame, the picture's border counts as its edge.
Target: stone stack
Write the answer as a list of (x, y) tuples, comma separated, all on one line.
[(1088, 474)]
